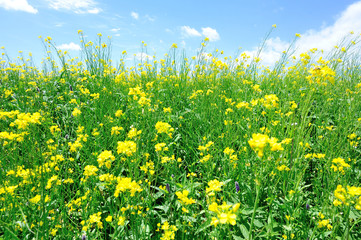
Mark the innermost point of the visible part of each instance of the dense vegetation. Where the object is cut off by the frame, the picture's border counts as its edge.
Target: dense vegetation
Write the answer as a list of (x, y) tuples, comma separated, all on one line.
[(209, 147)]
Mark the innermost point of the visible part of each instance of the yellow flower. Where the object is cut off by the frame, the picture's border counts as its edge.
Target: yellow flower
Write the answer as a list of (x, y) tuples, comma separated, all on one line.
[(109, 218), (163, 127), (119, 113), (125, 184), (90, 170), (35, 199), (76, 112), (214, 186), (258, 143), (103, 157), (133, 133), (225, 213), (121, 220), (183, 197), (127, 147), (160, 147), (167, 110), (116, 130)]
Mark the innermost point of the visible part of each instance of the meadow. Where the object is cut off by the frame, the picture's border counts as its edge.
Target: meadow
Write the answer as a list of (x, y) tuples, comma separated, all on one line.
[(205, 147)]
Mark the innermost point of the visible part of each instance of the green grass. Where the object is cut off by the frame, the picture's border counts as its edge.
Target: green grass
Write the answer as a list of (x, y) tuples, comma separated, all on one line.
[(209, 147)]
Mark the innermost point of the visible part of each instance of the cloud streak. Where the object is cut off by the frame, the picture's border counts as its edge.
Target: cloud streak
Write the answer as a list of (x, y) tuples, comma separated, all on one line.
[(188, 32), (324, 39), (134, 15), (18, 5), (69, 46), (78, 7), (211, 34)]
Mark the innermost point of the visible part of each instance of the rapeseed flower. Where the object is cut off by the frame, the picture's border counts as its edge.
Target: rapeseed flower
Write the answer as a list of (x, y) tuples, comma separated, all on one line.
[(226, 214), (214, 186), (76, 112), (127, 147), (163, 127), (183, 197), (90, 170), (169, 231), (105, 158), (124, 184)]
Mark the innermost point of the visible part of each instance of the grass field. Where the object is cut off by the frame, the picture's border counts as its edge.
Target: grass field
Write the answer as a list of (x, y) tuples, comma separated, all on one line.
[(209, 147)]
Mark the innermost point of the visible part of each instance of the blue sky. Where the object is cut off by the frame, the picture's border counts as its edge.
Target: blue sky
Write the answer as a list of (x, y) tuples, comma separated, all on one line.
[(228, 24)]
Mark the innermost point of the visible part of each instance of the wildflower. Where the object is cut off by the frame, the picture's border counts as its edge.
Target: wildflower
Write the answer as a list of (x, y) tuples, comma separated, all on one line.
[(258, 143), (205, 158), (183, 197), (95, 218), (35, 199), (282, 168), (127, 147), (163, 127), (214, 186), (160, 147), (339, 165), (54, 129), (121, 221), (90, 170), (167, 110), (169, 231), (76, 112), (125, 184), (109, 218), (133, 133), (116, 130), (105, 158), (149, 166), (237, 186), (119, 113), (226, 214)]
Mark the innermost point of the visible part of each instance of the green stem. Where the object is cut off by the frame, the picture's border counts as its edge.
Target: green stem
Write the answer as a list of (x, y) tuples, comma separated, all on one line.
[(359, 221), (347, 216), (254, 211)]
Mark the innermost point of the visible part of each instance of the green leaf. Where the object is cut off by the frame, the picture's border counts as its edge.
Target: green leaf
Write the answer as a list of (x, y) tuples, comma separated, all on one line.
[(237, 237), (164, 208), (258, 224), (204, 226), (244, 231)]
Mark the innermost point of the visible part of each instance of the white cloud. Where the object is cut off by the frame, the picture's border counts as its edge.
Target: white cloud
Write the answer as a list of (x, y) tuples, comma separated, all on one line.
[(78, 6), (187, 31), (69, 46), (329, 36), (149, 18), (114, 29), (210, 33), (134, 15), (18, 5), (271, 52), (143, 57), (59, 24), (324, 39)]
